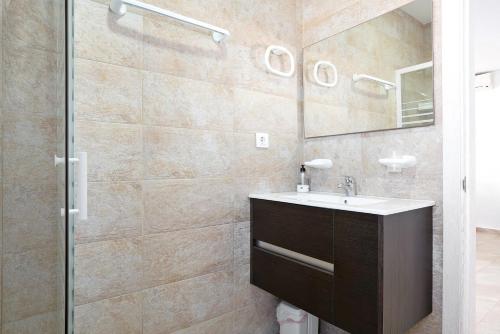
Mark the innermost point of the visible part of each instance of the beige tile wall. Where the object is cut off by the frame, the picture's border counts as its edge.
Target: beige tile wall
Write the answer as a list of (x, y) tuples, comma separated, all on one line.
[(168, 119), (30, 59), (357, 154)]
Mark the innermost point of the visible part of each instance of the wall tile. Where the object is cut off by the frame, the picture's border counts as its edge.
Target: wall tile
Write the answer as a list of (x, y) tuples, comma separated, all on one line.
[(100, 35), (120, 315), (21, 235), (114, 150), (175, 256), (183, 153), (280, 158), (41, 199), (178, 49), (243, 186), (252, 26), (424, 143), (105, 92), (258, 318), (42, 323), (184, 103), (346, 154), (31, 23), (115, 211), (245, 20), (29, 284), (259, 112), (241, 243), (219, 325), (107, 269), (181, 204), (315, 10), (27, 70), (184, 52), (29, 146), (182, 304), (245, 293)]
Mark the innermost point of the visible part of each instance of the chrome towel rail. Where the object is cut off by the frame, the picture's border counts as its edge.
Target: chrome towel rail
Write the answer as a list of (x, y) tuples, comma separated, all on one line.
[(119, 7)]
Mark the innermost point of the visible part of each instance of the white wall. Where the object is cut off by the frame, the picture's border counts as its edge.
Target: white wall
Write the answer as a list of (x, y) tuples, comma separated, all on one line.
[(485, 41), (486, 190)]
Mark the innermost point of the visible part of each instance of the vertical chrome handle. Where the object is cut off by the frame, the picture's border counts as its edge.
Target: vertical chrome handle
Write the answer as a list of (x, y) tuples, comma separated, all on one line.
[(82, 185)]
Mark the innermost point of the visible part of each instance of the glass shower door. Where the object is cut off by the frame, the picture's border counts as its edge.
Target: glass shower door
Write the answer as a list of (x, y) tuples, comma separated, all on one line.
[(36, 186)]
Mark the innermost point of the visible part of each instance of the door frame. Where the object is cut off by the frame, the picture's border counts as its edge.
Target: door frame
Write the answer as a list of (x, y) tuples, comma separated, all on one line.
[(458, 230), (69, 168)]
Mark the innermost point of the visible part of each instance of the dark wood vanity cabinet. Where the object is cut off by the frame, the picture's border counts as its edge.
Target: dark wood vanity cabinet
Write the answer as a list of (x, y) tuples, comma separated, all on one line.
[(382, 277)]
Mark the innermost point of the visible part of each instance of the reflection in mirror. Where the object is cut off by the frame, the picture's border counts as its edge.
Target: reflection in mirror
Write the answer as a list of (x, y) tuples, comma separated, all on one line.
[(383, 75)]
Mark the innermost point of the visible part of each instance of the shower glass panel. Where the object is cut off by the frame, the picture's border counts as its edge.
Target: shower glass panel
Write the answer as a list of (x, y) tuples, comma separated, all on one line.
[(34, 184)]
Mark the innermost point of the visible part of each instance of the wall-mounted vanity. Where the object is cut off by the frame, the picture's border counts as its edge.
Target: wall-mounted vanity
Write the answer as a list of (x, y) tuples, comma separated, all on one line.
[(364, 264)]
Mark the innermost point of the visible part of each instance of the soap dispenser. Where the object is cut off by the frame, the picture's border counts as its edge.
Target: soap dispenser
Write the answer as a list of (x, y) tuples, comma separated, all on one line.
[(303, 186)]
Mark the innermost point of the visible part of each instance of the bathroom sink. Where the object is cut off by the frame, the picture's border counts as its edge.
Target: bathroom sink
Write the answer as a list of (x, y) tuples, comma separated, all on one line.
[(335, 199), (366, 204)]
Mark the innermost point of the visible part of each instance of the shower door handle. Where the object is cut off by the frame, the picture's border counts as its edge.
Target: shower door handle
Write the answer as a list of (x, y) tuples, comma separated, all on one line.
[(82, 186), (82, 182)]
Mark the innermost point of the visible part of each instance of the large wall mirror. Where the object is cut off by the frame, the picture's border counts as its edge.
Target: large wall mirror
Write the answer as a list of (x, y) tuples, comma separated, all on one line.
[(375, 76)]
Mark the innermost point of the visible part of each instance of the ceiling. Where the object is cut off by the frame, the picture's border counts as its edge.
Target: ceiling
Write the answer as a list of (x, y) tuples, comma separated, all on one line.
[(420, 10), (485, 35)]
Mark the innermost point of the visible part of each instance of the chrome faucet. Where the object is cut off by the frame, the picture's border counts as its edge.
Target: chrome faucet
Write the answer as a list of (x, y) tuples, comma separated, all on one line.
[(349, 186)]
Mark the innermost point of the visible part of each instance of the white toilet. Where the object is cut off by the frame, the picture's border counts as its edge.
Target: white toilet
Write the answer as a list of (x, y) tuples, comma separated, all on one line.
[(293, 320)]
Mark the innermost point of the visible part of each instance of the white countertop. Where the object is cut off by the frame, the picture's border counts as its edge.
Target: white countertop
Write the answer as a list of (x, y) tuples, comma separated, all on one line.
[(366, 204)]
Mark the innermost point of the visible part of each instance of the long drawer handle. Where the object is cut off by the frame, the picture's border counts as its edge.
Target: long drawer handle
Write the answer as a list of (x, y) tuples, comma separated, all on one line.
[(296, 256)]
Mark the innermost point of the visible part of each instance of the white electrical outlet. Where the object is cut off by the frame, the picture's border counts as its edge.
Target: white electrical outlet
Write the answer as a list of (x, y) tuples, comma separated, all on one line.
[(262, 140)]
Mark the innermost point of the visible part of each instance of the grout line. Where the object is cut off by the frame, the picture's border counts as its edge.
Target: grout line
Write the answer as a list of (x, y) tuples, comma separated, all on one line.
[(231, 86), (228, 130), (145, 288), (158, 233)]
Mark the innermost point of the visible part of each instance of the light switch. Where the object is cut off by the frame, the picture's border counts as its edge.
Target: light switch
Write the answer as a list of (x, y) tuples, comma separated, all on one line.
[(262, 140)]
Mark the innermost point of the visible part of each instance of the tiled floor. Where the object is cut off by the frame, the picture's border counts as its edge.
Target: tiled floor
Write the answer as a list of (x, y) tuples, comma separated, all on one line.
[(488, 282)]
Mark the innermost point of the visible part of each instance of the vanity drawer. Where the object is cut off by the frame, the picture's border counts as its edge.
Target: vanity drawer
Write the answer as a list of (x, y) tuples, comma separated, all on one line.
[(302, 229), (306, 287)]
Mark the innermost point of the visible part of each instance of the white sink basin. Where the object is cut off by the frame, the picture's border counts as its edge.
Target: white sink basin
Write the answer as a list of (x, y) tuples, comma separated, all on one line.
[(366, 204), (334, 199)]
